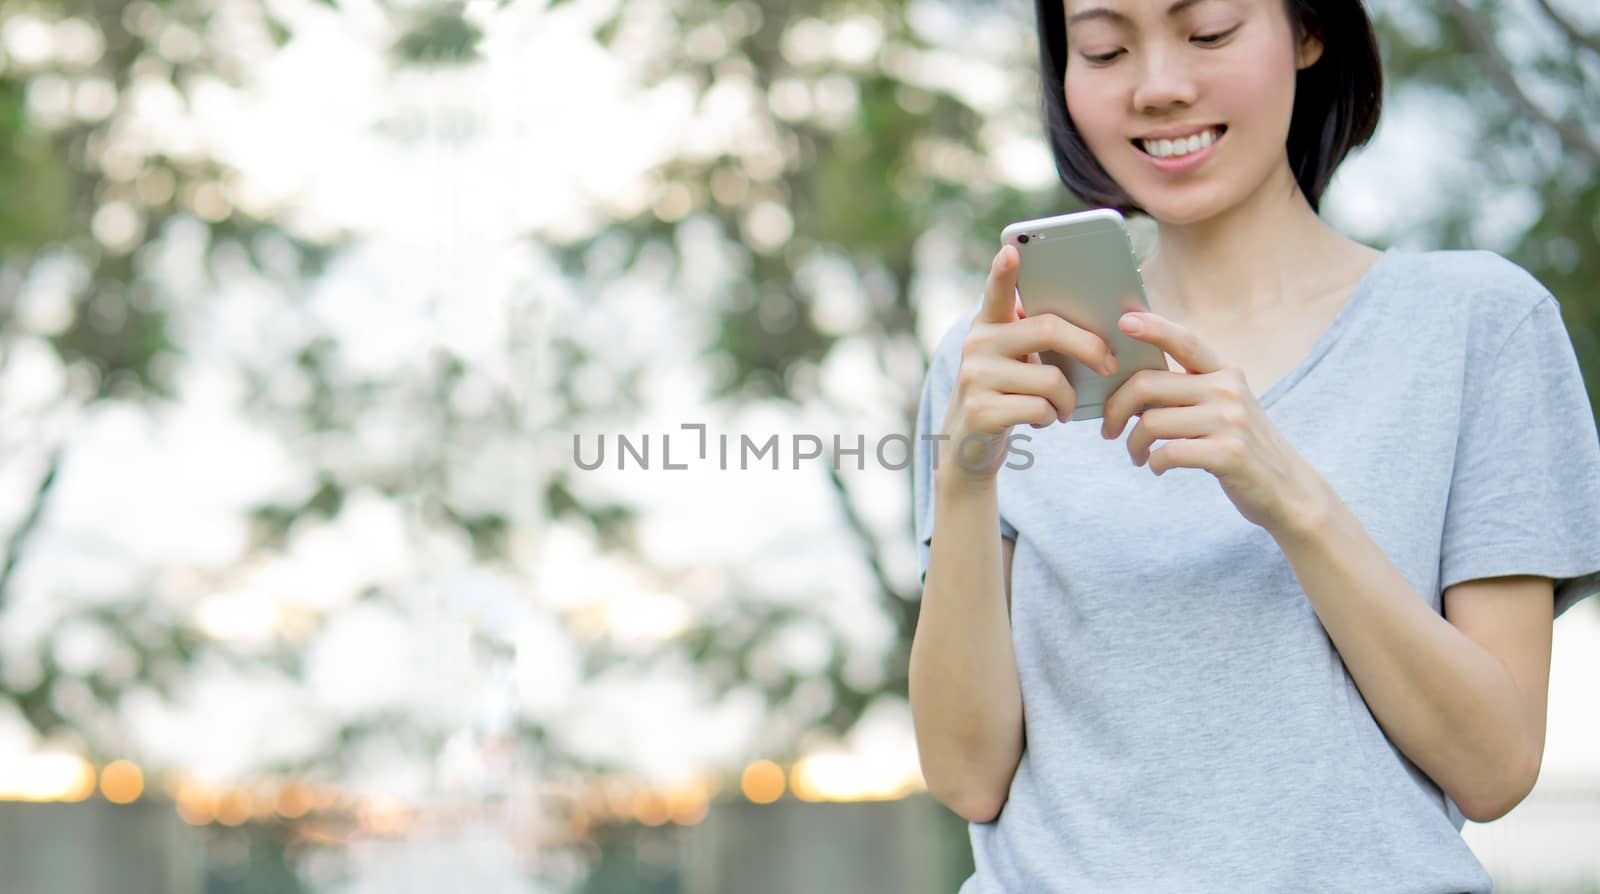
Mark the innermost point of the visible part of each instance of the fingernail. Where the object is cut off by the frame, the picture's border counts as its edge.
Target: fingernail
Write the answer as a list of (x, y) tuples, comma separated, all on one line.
[(1110, 365), (1132, 324)]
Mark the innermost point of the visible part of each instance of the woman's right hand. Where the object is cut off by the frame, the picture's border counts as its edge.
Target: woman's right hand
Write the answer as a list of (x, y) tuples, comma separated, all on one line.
[(1001, 380)]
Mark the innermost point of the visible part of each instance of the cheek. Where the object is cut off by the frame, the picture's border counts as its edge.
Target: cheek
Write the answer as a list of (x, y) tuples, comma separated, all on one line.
[(1094, 110), (1260, 87)]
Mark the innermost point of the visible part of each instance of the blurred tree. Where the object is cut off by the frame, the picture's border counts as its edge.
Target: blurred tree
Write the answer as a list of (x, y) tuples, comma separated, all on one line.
[(1530, 71), (841, 147), (85, 193), (101, 171)]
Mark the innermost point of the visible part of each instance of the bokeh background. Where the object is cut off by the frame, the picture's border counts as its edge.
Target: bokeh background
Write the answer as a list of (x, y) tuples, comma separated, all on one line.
[(306, 307)]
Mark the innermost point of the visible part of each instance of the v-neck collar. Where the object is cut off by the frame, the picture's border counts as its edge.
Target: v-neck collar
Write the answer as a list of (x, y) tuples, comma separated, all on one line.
[(1341, 321)]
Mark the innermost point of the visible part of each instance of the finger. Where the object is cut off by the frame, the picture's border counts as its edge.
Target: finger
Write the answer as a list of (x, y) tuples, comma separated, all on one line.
[(1038, 379), (1023, 315), (1188, 453), (1168, 423), (997, 411), (1184, 346), (1149, 388), (1048, 331), (1000, 290)]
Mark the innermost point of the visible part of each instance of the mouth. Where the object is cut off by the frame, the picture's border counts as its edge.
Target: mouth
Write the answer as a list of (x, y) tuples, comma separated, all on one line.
[(1181, 146)]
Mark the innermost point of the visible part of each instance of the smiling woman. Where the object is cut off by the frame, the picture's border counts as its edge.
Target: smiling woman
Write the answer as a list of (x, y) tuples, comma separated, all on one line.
[(1328, 94), (1283, 621)]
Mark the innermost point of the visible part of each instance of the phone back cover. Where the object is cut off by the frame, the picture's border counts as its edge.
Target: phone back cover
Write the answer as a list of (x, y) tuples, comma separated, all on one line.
[(1088, 275)]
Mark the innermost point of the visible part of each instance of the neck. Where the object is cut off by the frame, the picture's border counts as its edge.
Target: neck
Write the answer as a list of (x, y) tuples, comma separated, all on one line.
[(1269, 252)]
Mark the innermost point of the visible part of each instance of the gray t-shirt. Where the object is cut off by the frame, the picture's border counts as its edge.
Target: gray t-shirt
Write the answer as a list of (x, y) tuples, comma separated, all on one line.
[(1189, 724)]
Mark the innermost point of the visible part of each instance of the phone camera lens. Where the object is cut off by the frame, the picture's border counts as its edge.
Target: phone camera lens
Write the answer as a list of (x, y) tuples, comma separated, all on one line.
[(1023, 239)]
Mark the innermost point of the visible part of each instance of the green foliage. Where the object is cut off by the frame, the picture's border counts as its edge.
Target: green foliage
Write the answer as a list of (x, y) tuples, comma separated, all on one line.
[(34, 186), (1540, 131), (441, 37)]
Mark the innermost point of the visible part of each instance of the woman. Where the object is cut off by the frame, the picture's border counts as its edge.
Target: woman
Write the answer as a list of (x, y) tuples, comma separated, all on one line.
[(1316, 639)]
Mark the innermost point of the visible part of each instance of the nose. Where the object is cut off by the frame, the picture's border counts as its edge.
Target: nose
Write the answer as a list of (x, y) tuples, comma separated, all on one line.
[(1164, 81)]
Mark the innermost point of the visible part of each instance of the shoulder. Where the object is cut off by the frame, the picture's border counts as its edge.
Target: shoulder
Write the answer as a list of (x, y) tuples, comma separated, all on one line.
[(1477, 279), (1487, 293)]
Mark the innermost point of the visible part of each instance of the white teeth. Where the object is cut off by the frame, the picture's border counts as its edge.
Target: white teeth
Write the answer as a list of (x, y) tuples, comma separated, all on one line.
[(1180, 147)]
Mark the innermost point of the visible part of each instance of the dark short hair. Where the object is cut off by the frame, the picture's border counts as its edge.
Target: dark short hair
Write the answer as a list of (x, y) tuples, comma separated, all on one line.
[(1336, 100)]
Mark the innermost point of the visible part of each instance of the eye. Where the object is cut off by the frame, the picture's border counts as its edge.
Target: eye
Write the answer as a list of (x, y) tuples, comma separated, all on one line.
[(1212, 39), (1103, 58)]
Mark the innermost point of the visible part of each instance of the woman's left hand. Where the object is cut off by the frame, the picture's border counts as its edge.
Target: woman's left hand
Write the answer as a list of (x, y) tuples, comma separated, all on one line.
[(1213, 422)]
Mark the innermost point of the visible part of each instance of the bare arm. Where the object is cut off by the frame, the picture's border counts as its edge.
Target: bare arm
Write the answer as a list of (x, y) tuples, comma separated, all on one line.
[(966, 700), (965, 696), (1462, 695)]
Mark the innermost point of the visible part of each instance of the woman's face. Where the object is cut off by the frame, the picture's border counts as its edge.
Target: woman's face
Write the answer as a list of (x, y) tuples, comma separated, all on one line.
[(1141, 69)]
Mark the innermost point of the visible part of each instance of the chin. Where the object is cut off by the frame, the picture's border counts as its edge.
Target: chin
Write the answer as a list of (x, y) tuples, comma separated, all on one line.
[(1180, 207)]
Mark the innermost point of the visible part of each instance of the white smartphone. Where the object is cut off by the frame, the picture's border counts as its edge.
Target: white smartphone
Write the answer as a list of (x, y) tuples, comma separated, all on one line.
[(1081, 267)]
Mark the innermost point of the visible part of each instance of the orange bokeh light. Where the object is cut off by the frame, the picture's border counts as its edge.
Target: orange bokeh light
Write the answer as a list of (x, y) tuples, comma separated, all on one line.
[(762, 782), (649, 807), (294, 800), (122, 782), (234, 808)]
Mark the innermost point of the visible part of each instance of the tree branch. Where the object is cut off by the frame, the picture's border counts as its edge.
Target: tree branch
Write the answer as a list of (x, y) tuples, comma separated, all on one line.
[(41, 495), (869, 543), (1576, 139), (1589, 41)]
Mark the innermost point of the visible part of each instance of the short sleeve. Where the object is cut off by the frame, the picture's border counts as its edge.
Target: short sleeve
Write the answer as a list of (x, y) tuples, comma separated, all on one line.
[(936, 388), (1525, 490)]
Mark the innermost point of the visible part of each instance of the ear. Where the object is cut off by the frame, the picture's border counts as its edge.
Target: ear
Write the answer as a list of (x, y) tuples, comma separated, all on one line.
[(1309, 51)]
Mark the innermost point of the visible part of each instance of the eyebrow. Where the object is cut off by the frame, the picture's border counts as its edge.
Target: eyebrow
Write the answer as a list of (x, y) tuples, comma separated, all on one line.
[(1101, 12)]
